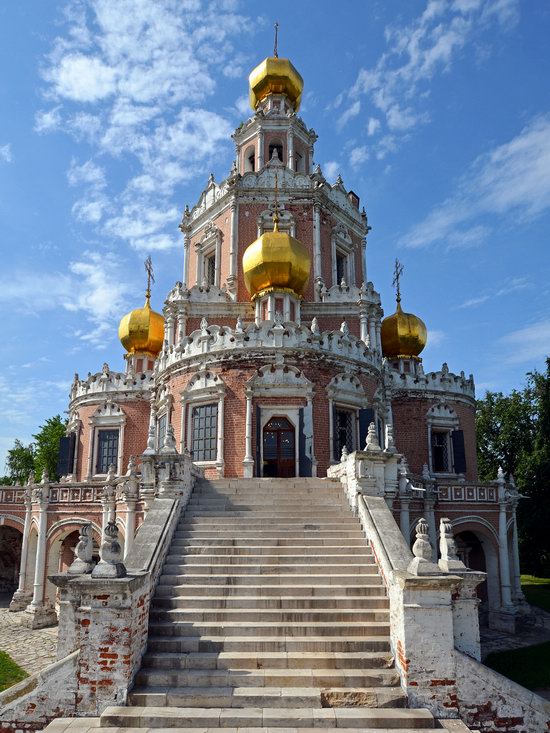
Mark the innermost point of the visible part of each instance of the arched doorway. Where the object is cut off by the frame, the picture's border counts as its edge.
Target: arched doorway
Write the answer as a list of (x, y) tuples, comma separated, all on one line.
[(10, 557), (478, 552), (279, 448)]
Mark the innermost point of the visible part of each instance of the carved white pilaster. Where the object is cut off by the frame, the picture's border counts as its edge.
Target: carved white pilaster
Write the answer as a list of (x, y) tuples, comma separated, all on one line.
[(248, 462), (504, 562), (233, 247), (316, 245), (290, 147)]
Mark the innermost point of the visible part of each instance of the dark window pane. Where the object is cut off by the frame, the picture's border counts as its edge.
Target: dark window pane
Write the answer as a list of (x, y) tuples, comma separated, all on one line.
[(344, 431), (204, 432), (107, 450)]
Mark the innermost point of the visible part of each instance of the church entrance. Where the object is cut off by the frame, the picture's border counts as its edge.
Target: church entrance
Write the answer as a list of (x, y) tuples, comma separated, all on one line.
[(279, 448)]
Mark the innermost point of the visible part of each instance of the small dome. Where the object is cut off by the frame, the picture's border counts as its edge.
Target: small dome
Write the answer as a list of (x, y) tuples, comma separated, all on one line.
[(275, 76), (142, 330), (276, 261), (403, 334)]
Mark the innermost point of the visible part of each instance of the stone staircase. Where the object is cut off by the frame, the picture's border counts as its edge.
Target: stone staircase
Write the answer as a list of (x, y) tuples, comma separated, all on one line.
[(270, 613)]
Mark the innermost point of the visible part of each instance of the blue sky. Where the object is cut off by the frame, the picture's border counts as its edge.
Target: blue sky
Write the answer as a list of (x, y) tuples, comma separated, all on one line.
[(114, 113)]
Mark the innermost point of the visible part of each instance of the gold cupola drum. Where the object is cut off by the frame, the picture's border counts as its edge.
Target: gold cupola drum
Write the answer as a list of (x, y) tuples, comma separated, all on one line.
[(141, 331), (403, 335)]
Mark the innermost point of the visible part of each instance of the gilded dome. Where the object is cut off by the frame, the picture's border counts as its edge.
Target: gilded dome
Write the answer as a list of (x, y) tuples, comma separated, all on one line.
[(276, 261), (403, 334), (275, 76), (142, 330)]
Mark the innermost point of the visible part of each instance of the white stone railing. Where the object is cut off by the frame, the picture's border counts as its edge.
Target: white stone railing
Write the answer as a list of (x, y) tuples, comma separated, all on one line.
[(12, 495), (216, 339), (441, 381), (468, 492), (106, 382), (77, 493)]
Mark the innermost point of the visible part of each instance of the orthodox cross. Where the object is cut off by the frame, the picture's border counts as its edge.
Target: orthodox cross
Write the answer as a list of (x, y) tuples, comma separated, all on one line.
[(397, 272), (275, 49), (150, 276)]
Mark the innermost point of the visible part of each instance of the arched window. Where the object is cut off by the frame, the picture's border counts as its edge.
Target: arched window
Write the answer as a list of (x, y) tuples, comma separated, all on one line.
[(276, 146), (249, 160)]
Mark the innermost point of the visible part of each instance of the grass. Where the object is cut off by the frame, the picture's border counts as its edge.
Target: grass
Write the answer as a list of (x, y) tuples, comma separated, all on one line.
[(10, 672), (529, 667), (536, 591)]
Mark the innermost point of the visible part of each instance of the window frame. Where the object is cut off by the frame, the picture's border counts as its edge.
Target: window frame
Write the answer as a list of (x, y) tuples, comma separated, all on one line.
[(213, 450)]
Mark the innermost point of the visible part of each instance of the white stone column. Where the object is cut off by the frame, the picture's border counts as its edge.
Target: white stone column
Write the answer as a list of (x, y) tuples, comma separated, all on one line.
[(220, 443), (290, 144), (181, 325), (363, 325), (429, 513), (378, 330), (22, 596), (233, 247), (364, 258), (310, 434), (504, 563), (248, 462), (130, 525), (310, 159), (316, 245), (170, 329), (186, 251), (372, 332), (260, 155)]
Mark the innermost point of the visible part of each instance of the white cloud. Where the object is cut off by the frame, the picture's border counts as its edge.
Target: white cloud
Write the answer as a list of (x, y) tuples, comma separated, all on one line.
[(331, 169), (509, 286), (436, 337), (242, 105), (473, 302), (94, 286), (359, 155), (134, 74), (512, 180), (527, 345), (351, 112), (5, 153), (373, 126), (416, 53)]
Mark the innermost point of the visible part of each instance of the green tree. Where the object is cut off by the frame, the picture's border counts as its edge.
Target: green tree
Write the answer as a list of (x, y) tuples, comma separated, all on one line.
[(20, 462), (534, 481), (47, 447)]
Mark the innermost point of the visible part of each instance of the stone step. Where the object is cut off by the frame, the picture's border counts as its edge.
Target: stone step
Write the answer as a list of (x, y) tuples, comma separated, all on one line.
[(269, 521), (245, 603), (259, 629), (192, 566), (214, 558), (216, 643), (268, 616), (324, 499), (374, 587), (202, 549), (267, 697), (197, 720), (299, 514), (242, 677), (287, 542), (307, 535), (268, 660), (280, 579)]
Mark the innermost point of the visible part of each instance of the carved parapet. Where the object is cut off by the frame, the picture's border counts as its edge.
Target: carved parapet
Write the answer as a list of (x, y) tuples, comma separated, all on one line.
[(439, 383), (107, 382)]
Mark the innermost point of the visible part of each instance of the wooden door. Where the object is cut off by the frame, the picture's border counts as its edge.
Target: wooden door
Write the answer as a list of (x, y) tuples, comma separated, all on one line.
[(279, 448)]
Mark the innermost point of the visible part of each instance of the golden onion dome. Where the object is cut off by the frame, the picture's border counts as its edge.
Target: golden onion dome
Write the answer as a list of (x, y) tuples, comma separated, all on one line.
[(275, 76), (276, 261), (142, 330), (403, 334)]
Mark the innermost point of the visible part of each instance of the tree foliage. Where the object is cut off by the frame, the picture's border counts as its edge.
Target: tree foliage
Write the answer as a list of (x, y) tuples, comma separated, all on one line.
[(20, 463), (513, 431), (47, 447)]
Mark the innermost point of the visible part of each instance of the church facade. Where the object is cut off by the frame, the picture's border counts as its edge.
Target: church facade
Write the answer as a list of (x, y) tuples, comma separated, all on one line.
[(271, 358)]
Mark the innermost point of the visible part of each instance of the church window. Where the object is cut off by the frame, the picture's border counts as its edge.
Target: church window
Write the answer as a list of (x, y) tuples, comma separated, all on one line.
[(299, 163), (276, 146), (341, 269), (107, 450), (249, 160), (210, 269), (441, 451), (344, 430), (204, 424)]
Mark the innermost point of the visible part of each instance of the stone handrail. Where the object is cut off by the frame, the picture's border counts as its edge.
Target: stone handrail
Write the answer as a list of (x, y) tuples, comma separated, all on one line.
[(221, 339)]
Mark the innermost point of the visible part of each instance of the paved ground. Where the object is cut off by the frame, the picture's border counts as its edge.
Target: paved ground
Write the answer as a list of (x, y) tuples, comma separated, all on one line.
[(31, 649), (534, 632)]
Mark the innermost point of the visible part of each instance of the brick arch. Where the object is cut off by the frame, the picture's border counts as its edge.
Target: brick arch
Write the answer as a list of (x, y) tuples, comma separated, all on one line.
[(488, 538), (11, 538), (11, 520), (65, 526)]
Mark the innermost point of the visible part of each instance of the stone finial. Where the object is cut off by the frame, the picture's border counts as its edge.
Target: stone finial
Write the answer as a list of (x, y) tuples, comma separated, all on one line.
[(45, 477), (105, 369), (372, 443), (278, 318), (205, 285), (344, 328), (239, 326), (83, 564), (403, 467), (111, 474), (343, 283), (204, 326), (447, 547), (444, 368), (110, 565), (315, 326), (169, 443), (344, 456), (422, 563), (500, 475), (426, 475), (132, 467), (390, 443)]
